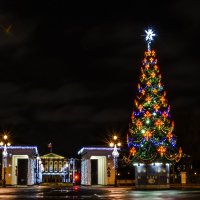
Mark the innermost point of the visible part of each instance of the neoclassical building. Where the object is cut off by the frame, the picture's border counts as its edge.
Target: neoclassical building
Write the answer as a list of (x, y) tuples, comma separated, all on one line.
[(57, 168)]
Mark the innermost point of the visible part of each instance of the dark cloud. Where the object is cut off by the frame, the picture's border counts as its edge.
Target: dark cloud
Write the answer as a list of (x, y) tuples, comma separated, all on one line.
[(73, 114), (112, 115)]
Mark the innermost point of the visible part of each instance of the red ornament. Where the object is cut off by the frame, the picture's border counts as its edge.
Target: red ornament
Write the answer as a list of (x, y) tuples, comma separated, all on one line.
[(165, 115)]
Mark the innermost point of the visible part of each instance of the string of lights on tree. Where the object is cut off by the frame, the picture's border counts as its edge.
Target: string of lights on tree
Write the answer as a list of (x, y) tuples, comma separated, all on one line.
[(150, 136)]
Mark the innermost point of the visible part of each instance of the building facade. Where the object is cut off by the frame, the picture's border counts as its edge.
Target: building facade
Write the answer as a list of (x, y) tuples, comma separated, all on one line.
[(21, 166), (97, 166), (57, 168)]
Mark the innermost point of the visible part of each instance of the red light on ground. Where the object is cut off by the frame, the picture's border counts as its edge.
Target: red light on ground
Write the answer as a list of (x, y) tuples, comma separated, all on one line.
[(75, 188)]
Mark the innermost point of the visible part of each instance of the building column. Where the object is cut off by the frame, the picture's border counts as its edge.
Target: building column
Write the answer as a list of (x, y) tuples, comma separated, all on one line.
[(31, 172)]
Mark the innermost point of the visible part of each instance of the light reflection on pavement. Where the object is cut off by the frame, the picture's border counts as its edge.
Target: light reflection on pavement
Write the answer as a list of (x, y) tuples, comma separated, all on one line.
[(150, 194), (95, 193)]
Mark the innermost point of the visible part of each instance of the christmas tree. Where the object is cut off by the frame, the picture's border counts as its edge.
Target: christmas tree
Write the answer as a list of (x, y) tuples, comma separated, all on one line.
[(151, 136)]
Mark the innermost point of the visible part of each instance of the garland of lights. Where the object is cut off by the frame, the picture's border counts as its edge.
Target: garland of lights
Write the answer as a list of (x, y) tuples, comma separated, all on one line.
[(21, 147), (96, 148)]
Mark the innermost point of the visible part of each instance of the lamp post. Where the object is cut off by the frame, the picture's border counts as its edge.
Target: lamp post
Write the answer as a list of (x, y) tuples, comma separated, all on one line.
[(115, 154), (4, 143)]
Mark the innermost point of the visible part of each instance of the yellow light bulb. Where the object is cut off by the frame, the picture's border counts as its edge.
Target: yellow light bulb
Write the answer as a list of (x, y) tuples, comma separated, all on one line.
[(119, 144), (111, 144), (5, 137)]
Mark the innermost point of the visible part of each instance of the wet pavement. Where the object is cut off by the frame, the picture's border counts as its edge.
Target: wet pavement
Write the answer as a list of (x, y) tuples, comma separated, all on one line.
[(98, 192)]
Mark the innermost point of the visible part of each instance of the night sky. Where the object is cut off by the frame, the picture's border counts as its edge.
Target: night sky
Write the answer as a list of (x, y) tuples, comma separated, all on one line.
[(69, 72)]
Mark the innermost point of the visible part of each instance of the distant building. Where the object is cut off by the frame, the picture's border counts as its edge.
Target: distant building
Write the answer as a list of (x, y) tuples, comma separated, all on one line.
[(21, 166), (57, 168)]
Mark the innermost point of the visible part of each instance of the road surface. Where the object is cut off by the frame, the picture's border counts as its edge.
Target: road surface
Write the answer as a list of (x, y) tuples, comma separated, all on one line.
[(96, 193)]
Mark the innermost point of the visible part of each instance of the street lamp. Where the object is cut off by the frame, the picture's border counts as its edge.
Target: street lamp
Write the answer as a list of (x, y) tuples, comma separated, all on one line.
[(115, 154), (4, 143)]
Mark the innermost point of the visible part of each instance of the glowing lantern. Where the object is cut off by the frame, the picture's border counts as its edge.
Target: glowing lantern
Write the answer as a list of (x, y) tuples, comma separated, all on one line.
[(140, 107), (143, 92), (159, 123), (145, 60), (169, 136), (153, 53), (165, 115), (156, 67), (162, 99), (133, 151), (147, 135), (156, 107), (147, 114), (161, 150), (148, 99), (155, 91), (147, 66), (148, 83), (138, 124), (151, 59), (153, 74), (147, 53), (180, 151), (143, 76)]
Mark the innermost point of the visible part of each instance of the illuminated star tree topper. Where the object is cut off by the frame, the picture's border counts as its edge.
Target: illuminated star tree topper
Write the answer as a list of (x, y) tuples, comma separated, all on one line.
[(149, 37)]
